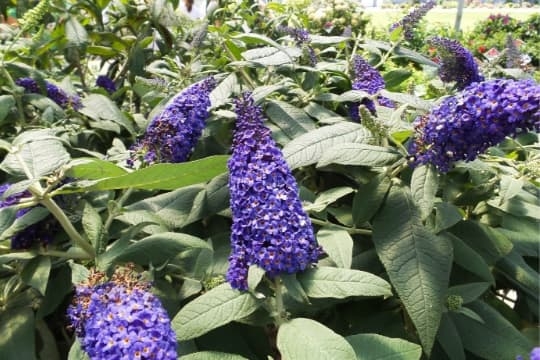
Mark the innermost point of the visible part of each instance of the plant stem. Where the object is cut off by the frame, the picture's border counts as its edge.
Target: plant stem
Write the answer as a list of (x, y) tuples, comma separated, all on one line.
[(348, 229), (279, 313)]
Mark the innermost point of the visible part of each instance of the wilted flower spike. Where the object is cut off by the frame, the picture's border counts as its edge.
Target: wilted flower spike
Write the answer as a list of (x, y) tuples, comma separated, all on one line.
[(409, 22), (121, 319), (172, 134), (482, 115), (368, 79), (270, 229), (106, 83), (54, 93), (456, 63)]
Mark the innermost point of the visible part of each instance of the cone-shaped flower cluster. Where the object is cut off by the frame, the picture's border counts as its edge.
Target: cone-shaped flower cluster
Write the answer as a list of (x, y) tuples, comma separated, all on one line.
[(172, 134), (54, 93), (106, 83), (409, 22), (121, 319), (368, 79), (482, 115), (456, 63), (42, 231), (270, 229)]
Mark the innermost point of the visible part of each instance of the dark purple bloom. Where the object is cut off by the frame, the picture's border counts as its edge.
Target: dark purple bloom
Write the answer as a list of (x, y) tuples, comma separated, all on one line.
[(270, 228), (172, 135), (409, 22), (368, 79), (302, 40), (53, 92), (41, 231), (482, 115), (456, 63), (121, 319), (106, 83)]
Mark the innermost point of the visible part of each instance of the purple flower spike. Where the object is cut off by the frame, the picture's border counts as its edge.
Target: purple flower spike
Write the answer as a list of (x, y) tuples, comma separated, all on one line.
[(368, 79), (121, 319), (456, 63), (54, 93), (270, 229), (482, 115), (409, 22), (172, 135), (106, 83)]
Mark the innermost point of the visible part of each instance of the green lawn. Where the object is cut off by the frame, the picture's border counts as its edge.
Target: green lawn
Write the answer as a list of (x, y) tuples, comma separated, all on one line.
[(385, 17)]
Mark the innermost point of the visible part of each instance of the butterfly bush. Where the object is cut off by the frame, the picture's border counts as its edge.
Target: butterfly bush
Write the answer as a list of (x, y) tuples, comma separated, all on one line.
[(302, 39), (409, 21), (40, 232), (106, 83), (482, 115), (270, 229), (368, 79), (455, 62), (121, 319), (172, 134), (56, 94)]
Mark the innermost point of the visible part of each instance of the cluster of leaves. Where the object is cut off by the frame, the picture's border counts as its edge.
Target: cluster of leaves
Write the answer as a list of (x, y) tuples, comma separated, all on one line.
[(416, 264)]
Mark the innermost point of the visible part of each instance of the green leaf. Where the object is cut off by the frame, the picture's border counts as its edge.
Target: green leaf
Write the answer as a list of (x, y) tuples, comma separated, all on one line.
[(328, 197), (157, 177), (294, 288), (291, 120), (378, 347), (76, 352), (329, 282), (224, 90), (446, 216), (36, 273), (368, 198), (358, 154), (41, 154), (418, 263), (408, 99), (92, 224), (33, 216), (7, 102), (306, 339), (424, 185), (215, 308), (155, 249), (449, 339), (322, 113), (308, 148), (338, 244), (326, 40), (76, 34), (394, 78), (271, 56), (93, 169), (469, 292), (212, 355), (509, 187), (516, 269), (17, 329), (495, 338), (79, 273), (99, 108)]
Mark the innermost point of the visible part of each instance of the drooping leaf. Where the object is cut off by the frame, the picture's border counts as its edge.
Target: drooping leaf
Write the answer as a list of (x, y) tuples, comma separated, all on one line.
[(424, 185), (338, 244), (308, 149), (307, 339), (378, 347), (213, 309), (292, 120), (494, 338), (329, 282), (417, 262), (369, 198), (358, 154), (36, 273)]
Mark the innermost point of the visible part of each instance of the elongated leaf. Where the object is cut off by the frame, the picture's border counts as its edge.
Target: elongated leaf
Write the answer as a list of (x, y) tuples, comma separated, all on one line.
[(6, 103), (338, 244), (307, 149), (417, 262), (217, 307), (36, 273), (322, 114), (17, 329), (212, 355), (223, 90), (495, 338), (358, 154), (469, 292), (99, 107), (378, 347), (446, 216), (514, 267), (75, 33), (369, 198), (156, 249), (157, 177), (410, 100), (329, 282), (92, 224), (449, 339), (424, 184), (292, 120), (33, 216), (76, 352), (306, 339), (271, 56), (92, 169), (328, 197)]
